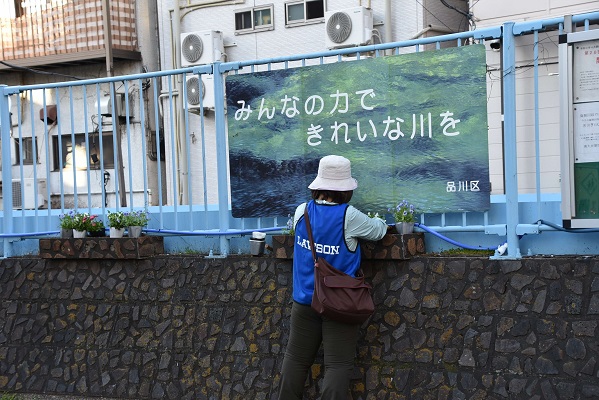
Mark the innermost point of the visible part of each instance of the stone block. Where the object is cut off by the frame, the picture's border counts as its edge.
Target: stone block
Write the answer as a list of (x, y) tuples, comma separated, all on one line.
[(282, 246), (394, 247), (101, 247)]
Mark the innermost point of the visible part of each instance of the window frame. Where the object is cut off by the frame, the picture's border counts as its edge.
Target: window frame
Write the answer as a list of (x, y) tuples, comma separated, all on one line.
[(255, 28), (93, 142), (26, 152), (305, 20)]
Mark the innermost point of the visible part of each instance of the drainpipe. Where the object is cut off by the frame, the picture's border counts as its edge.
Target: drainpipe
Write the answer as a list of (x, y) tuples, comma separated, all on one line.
[(180, 143), (388, 31), (431, 28), (116, 120)]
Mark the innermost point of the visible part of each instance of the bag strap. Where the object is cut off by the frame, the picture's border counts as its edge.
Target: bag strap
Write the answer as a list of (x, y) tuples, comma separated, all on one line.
[(309, 229)]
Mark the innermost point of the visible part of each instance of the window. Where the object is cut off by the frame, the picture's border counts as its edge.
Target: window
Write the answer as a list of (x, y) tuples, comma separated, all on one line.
[(105, 152), (19, 12), (13, 7), (24, 153), (153, 148), (304, 12), (254, 20)]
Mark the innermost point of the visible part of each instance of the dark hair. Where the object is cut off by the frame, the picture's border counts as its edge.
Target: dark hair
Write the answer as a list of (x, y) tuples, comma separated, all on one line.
[(335, 196)]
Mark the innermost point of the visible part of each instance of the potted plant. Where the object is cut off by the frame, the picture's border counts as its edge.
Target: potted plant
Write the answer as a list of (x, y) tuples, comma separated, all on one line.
[(376, 215), (67, 224), (135, 221), (96, 228), (404, 214), (84, 224), (290, 230), (117, 222)]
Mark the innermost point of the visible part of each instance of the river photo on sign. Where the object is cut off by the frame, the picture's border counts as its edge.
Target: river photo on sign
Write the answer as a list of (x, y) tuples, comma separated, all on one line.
[(414, 127)]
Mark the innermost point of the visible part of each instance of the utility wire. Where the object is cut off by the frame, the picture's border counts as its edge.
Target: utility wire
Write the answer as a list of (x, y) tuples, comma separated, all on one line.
[(35, 71), (468, 15), (437, 18)]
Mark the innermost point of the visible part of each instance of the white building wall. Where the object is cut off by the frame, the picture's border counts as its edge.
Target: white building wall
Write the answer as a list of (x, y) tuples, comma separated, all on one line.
[(407, 19), (73, 120), (492, 13)]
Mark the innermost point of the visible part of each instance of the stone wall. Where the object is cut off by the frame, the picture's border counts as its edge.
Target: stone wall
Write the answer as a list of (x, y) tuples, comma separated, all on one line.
[(179, 327)]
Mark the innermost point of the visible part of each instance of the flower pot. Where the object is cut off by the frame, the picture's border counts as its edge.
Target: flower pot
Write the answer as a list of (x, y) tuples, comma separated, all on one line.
[(116, 232), (134, 231), (404, 227), (79, 234), (66, 233), (257, 247)]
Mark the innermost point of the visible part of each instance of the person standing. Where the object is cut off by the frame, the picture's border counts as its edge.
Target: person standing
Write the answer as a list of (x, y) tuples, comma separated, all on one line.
[(336, 227)]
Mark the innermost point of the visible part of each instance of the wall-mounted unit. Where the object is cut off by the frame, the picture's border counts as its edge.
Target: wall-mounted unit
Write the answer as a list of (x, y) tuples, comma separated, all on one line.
[(200, 92), (203, 47), (23, 194), (106, 105), (348, 28)]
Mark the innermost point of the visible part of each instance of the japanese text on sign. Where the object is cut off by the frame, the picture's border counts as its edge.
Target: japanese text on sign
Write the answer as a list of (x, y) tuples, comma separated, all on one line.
[(390, 127)]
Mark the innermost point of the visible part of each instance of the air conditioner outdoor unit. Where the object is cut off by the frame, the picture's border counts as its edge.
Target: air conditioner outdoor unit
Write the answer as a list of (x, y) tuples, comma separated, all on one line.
[(25, 198), (348, 28), (203, 47), (200, 88)]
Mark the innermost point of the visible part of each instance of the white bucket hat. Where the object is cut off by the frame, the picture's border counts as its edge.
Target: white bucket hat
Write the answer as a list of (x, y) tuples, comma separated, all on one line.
[(334, 173)]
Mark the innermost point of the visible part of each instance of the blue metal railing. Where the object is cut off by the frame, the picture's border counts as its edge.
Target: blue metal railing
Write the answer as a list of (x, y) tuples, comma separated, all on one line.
[(188, 198)]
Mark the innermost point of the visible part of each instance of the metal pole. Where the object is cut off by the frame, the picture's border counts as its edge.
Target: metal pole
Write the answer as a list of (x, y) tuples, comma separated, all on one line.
[(5, 125), (510, 155), (221, 157)]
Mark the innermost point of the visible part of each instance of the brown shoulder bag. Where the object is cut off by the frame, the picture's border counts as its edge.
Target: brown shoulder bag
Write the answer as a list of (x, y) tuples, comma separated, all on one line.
[(338, 296)]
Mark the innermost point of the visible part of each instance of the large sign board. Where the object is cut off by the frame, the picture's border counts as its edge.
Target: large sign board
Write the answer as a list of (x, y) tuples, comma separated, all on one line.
[(414, 127)]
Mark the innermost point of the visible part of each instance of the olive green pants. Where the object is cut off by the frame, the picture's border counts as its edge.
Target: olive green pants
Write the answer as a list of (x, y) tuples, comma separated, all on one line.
[(308, 331)]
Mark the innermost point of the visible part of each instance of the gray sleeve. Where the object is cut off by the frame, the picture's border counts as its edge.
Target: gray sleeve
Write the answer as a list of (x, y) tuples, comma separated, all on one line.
[(299, 211), (360, 226)]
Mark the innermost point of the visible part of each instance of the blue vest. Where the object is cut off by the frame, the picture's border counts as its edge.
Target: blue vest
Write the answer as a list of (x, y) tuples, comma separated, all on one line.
[(327, 223)]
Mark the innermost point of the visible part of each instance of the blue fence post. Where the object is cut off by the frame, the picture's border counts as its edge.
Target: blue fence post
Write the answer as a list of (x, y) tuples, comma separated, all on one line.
[(5, 126), (510, 155), (221, 156)]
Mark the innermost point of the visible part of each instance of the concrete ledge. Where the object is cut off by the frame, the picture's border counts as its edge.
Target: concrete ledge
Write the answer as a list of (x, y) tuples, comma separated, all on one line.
[(391, 247), (282, 246), (394, 247), (102, 247)]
